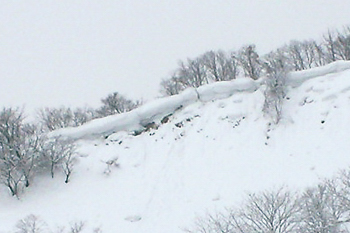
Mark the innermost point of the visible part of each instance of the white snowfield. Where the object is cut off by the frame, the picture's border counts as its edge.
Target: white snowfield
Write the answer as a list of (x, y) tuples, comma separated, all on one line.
[(207, 157), (137, 119)]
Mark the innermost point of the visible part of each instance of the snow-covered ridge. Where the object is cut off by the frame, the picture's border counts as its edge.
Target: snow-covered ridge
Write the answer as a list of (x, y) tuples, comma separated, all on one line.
[(154, 111)]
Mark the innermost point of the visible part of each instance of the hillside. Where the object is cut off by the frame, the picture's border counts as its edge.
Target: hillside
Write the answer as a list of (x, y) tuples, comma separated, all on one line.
[(216, 146)]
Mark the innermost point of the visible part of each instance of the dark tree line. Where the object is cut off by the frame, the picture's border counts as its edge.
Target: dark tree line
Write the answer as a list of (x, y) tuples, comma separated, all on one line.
[(214, 66)]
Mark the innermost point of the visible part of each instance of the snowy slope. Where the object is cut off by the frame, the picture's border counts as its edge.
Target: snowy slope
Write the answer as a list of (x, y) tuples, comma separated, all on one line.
[(209, 154)]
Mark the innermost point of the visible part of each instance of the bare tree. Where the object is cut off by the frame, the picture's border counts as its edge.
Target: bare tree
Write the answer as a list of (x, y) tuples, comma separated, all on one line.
[(295, 51), (219, 67), (329, 41), (115, 103), (30, 158), (343, 43), (267, 212), (31, 224), (83, 115), (11, 177), (320, 54), (193, 73), (209, 67), (19, 149), (69, 160), (24, 151), (322, 210), (56, 152), (172, 86), (273, 212), (56, 118), (11, 121), (337, 44), (214, 223), (250, 62)]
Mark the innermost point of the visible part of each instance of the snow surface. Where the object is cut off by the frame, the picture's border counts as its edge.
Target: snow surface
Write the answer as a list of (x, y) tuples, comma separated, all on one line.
[(207, 157)]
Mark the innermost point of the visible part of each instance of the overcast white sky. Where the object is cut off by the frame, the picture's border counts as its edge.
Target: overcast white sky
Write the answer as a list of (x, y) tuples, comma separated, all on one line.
[(73, 53)]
